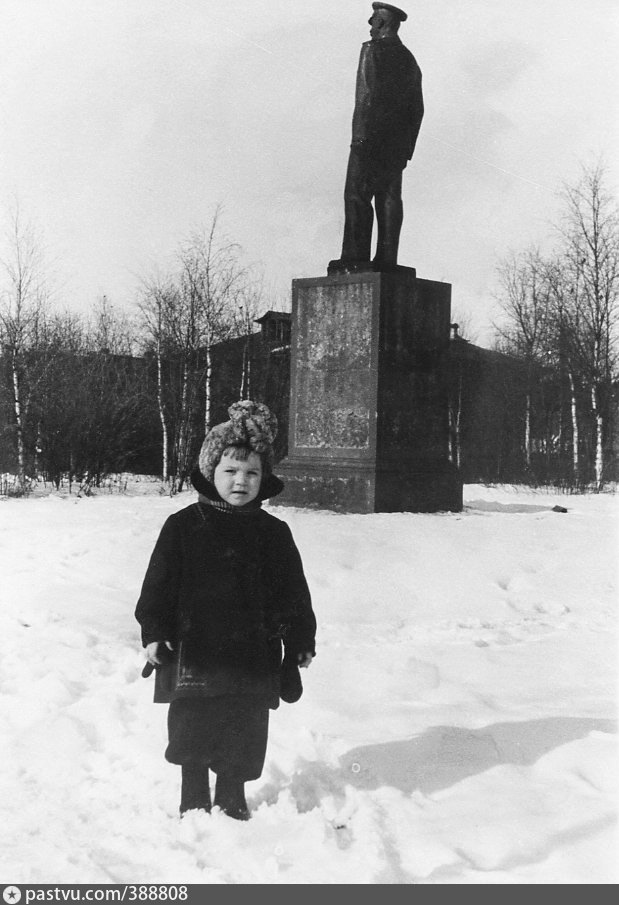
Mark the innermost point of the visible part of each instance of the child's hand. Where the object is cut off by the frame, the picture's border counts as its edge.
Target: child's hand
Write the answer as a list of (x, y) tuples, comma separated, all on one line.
[(304, 660), (152, 651)]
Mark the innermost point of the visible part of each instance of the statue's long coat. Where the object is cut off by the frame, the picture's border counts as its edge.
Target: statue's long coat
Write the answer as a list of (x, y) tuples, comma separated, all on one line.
[(388, 101)]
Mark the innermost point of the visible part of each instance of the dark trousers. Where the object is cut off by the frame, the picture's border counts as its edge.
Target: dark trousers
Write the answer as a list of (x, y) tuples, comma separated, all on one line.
[(227, 733), (369, 178)]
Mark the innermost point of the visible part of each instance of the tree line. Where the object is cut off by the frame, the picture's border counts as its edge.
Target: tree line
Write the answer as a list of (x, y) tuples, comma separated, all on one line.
[(560, 318), (82, 397)]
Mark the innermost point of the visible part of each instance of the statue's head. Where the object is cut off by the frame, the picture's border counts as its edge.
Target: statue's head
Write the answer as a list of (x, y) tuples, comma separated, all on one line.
[(385, 20)]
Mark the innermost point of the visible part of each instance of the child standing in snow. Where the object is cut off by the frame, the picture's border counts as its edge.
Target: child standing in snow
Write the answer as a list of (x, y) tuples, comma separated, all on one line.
[(224, 590)]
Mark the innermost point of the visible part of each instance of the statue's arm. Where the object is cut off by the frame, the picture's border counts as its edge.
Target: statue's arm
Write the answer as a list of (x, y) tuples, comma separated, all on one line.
[(364, 96), (416, 111)]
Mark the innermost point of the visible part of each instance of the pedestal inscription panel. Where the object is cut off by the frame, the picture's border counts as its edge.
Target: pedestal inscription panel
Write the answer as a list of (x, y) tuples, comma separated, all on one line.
[(334, 375)]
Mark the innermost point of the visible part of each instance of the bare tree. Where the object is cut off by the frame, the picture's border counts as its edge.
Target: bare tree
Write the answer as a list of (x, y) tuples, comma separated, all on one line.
[(157, 305), (111, 397), (562, 355), (463, 330), (244, 318), (562, 313), (56, 404), (110, 329), (185, 315), (23, 323), (590, 261), (213, 284), (525, 300)]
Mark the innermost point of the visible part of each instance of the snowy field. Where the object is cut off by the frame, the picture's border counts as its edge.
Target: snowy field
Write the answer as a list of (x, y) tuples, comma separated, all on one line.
[(458, 724)]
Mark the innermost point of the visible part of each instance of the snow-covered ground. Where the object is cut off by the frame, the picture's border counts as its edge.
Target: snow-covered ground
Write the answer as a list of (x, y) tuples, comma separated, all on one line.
[(457, 726)]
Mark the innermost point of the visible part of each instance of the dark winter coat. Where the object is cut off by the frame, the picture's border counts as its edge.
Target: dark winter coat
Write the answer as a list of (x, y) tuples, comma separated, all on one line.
[(227, 588)]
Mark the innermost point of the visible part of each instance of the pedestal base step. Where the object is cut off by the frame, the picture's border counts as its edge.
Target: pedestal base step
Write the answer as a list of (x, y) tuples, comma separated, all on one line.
[(364, 489)]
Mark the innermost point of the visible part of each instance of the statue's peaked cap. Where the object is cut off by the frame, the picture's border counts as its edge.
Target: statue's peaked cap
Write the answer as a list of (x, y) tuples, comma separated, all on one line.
[(402, 16)]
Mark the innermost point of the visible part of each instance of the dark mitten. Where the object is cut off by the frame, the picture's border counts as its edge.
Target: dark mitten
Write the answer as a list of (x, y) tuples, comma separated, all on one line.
[(291, 687)]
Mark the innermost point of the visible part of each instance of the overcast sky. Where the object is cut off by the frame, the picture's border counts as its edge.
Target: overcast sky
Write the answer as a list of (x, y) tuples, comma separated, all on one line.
[(124, 122)]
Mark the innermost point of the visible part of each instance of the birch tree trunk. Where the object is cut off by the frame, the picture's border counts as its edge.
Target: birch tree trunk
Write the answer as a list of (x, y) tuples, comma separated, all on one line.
[(599, 438), (181, 444), (243, 392), (575, 429), (162, 418), (19, 425), (207, 389), (527, 432)]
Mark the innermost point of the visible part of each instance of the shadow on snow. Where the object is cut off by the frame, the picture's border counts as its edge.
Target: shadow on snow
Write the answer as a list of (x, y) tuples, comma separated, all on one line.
[(437, 759)]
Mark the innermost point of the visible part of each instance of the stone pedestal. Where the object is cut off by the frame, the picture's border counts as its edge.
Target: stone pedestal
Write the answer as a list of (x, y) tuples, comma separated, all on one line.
[(368, 409)]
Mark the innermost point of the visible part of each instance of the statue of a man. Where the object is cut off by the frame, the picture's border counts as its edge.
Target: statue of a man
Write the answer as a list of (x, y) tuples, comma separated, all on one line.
[(386, 121)]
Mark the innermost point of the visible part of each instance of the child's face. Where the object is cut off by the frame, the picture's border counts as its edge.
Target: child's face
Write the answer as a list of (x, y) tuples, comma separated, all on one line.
[(238, 481)]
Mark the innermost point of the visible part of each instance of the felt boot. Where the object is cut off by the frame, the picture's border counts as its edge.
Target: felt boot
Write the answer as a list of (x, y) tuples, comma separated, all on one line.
[(230, 797), (195, 789)]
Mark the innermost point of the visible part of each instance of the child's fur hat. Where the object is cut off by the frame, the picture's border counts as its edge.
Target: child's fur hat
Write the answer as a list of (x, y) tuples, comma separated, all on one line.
[(252, 425)]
